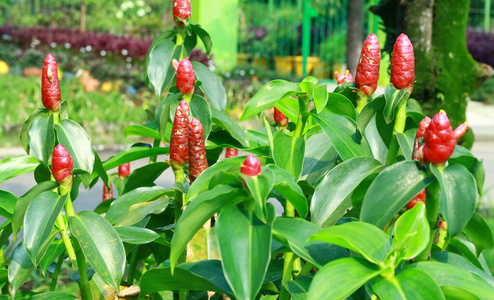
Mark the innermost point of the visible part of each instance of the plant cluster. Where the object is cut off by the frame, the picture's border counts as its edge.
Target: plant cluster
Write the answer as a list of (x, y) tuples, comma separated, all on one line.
[(378, 199)]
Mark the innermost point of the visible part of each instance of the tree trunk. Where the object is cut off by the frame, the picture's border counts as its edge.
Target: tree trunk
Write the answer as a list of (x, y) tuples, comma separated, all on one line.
[(82, 28), (354, 34)]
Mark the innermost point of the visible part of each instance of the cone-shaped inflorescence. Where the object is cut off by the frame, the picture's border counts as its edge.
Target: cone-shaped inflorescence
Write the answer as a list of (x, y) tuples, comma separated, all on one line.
[(185, 76), (198, 161), (440, 139), (231, 152), (107, 194), (181, 9), (346, 77), (368, 66), (124, 170), (50, 85), (419, 198), (403, 63), (179, 146), (280, 118), (62, 165), (251, 166)]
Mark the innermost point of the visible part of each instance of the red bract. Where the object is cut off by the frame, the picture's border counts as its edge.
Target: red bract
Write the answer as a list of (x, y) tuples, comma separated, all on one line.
[(61, 164), (50, 86), (179, 149), (346, 77), (185, 76), (419, 198), (368, 67), (251, 166), (124, 170), (440, 139), (231, 152), (198, 161), (403, 63), (181, 9), (424, 124), (107, 194), (280, 118)]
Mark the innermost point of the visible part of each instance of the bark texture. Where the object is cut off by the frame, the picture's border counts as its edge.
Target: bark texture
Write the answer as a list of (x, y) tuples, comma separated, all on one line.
[(354, 34)]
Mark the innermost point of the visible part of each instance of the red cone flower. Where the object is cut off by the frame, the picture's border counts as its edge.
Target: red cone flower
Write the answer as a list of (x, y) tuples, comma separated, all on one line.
[(61, 164), (231, 152), (347, 77), (280, 118), (124, 170), (181, 9), (440, 139), (179, 148), (419, 198), (198, 161), (403, 63), (107, 194), (424, 124), (251, 166), (185, 76), (50, 86), (368, 67)]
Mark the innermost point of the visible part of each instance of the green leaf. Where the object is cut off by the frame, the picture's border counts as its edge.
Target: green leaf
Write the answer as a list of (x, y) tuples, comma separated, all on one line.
[(42, 138), (462, 156), (332, 196), (159, 69), (100, 170), (289, 152), (393, 96), (266, 97), (376, 140), (340, 278), (461, 262), (200, 110), (143, 130), (55, 249), (369, 111), (73, 137), (457, 197), (480, 233), (340, 104), (406, 141), (245, 247), (320, 97), (7, 204), (145, 176), (294, 233), (409, 284), (391, 191), (356, 237), (101, 245), (41, 215), (466, 248), (413, 105), (211, 85), (24, 137), (299, 288), (139, 211), (162, 114), (23, 203), (199, 210), (223, 120), (13, 166), (320, 156), (204, 36), (289, 106), (53, 296), (411, 233), (131, 154), (260, 187), (136, 235)]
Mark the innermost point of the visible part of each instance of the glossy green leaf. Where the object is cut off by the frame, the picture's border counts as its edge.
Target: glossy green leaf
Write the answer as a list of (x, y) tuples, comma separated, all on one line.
[(245, 247), (211, 85), (199, 210), (200, 109), (101, 245), (145, 176), (320, 97), (299, 288), (411, 233), (406, 141), (320, 156), (40, 217), (376, 143), (289, 106), (294, 233), (331, 198), (409, 284), (139, 211), (53, 296), (480, 233), (457, 197), (393, 96), (204, 36), (159, 69), (100, 170), (462, 263), (55, 249), (24, 137), (416, 116), (75, 139), (223, 120), (356, 237), (23, 203), (266, 97), (341, 105), (462, 156), (7, 204), (260, 187), (289, 152), (42, 138), (391, 191), (413, 105), (340, 278), (13, 166), (163, 116), (467, 249), (131, 154), (136, 235), (145, 130), (369, 111)]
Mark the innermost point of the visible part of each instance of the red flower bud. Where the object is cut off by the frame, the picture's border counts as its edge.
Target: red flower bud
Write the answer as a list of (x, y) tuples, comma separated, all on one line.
[(419, 198), (403, 63), (185, 76), (50, 86), (231, 152), (443, 225), (440, 140), (347, 77), (368, 67), (251, 166), (179, 148), (124, 170), (181, 9), (107, 194), (280, 118), (61, 162), (198, 161), (424, 124)]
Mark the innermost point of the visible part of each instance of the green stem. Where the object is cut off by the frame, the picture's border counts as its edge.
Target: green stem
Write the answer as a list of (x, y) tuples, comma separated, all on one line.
[(154, 158), (180, 41), (361, 101), (432, 210), (5, 288), (54, 278), (133, 266), (399, 127), (306, 269), (84, 287), (300, 127), (288, 258), (66, 240), (178, 202)]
